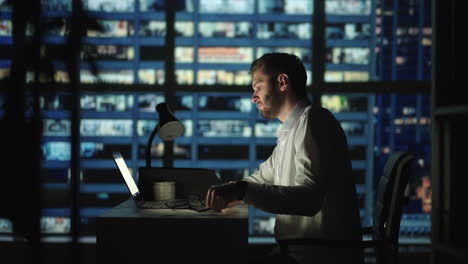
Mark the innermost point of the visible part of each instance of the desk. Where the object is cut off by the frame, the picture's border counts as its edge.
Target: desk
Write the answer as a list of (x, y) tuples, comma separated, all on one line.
[(128, 235)]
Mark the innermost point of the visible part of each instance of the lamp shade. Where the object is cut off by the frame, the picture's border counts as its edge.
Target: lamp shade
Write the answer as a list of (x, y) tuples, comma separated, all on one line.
[(169, 127)]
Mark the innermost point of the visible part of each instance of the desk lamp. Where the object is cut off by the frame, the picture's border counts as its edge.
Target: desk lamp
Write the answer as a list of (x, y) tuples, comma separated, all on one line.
[(169, 128)]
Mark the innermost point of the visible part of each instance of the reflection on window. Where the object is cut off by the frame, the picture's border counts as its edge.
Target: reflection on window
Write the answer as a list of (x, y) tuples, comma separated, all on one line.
[(348, 31), (113, 28), (56, 5), (210, 77), (184, 54), (225, 55), (57, 127), (151, 76), (348, 55), (107, 103), (109, 5), (224, 128), (347, 7), (346, 76), (297, 7), (224, 103), (303, 53), (108, 52), (5, 27), (227, 6), (103, 127), (152, 28), (225, 29), (274, 30), (184, 76), (267, 129), (108, 76)]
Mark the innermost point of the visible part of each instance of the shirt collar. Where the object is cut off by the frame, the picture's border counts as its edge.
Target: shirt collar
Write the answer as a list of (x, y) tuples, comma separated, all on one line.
[(295, 114), (292, 118)]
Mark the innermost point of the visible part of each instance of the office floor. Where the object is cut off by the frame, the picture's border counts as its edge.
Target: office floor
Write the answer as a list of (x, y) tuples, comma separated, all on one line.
[(61, 253)]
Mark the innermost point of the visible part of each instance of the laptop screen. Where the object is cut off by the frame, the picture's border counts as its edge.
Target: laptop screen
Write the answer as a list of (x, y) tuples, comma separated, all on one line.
[(126, 173)]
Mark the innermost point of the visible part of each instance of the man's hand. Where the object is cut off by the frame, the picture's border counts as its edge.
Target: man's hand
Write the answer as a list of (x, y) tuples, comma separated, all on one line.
[(225, 195)]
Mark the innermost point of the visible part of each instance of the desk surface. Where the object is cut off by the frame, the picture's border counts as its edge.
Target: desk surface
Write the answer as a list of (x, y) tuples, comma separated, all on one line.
[(128, 209), (127, 234)]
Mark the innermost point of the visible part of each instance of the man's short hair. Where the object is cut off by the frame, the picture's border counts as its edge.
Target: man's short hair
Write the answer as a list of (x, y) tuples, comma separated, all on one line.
[(277, 63)]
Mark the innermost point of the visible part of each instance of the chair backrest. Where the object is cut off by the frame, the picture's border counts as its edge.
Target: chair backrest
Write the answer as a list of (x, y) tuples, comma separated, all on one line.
[(390, 195)]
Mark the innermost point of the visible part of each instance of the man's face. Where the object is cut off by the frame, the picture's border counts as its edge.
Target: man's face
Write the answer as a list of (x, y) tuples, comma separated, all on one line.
[(266, 94)]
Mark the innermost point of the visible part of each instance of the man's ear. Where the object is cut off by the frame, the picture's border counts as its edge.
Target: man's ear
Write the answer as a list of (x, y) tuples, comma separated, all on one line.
[(283, 82)]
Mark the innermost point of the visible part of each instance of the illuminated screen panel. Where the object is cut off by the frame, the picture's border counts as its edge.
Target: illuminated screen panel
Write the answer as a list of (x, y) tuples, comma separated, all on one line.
[(357, 56), (225, 55), (225, 77), (108, 76), (112, 28), (346, 76), (303, 53), (296, 7), (348, 31), (106, 127), (5, 27), (267, 129), (108, 52), (348, 7), (224, 128), (225, 29), (57, 5), (345, 103), (107, 102), (276, 30), (151, 76), (226, 6)]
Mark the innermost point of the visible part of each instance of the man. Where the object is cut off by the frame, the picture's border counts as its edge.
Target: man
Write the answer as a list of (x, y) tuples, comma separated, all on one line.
[(307, 181)]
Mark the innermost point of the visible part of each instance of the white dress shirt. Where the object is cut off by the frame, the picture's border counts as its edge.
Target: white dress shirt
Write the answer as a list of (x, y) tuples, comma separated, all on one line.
[(308, 183)]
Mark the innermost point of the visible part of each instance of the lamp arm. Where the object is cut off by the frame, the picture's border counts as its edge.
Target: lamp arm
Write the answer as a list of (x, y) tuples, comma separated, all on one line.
[(148, 146)]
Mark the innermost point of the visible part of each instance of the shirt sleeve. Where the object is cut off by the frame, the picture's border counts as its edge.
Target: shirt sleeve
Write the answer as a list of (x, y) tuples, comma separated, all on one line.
[(264, 174), (313, 140)]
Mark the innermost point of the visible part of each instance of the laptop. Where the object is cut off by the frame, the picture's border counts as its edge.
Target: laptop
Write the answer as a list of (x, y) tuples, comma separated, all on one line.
[(140, 202)]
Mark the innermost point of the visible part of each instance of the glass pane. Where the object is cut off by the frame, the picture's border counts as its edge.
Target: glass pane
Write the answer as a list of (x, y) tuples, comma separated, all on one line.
[(113, 28), (275, 30), (225, 55)]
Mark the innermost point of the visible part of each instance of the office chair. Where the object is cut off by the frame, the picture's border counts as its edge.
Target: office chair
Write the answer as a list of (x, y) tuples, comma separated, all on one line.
[(386, 214)]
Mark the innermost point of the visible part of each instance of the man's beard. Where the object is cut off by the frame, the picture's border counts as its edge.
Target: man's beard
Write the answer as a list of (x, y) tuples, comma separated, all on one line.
[(273, 108)]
